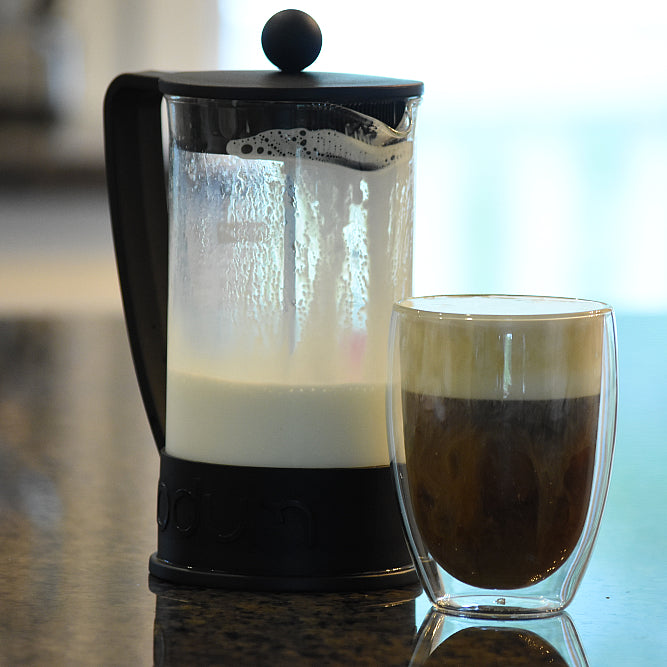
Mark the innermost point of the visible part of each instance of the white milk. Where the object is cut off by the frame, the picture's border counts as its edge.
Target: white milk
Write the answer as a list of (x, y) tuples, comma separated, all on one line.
[(215, 421)]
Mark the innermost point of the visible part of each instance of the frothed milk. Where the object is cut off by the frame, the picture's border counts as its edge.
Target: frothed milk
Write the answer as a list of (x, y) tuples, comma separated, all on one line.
[(286, 254)]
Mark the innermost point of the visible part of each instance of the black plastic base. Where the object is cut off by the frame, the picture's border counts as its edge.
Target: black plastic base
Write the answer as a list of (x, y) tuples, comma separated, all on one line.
[(274, 529), (215, 579)]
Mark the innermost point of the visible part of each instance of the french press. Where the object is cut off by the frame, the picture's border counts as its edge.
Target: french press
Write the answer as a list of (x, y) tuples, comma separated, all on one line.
[(257, 283)]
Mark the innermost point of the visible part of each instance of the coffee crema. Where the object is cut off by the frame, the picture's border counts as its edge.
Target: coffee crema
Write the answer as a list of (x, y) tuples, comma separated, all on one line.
[(500, 488)]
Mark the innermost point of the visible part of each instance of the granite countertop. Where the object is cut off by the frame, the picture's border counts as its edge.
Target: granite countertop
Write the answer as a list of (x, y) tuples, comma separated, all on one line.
[(78, 476)]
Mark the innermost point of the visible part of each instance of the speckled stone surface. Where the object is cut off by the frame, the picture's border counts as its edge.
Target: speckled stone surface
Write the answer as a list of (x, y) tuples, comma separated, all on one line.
[(78, 478), (277, 628)]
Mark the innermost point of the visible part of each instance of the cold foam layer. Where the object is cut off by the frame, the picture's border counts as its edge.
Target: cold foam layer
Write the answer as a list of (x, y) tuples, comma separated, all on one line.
[(272, 425), (500, 357)]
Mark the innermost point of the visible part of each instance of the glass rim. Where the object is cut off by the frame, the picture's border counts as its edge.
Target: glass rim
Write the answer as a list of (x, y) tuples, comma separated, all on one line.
[(467, 307)]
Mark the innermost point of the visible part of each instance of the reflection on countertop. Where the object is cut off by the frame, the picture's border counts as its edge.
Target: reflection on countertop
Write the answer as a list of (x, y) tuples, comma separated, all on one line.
[(452, 640), (197, 626)]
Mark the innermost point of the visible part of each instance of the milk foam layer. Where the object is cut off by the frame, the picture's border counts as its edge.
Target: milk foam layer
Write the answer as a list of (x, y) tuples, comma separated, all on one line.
[(519, 359), (502, 306)]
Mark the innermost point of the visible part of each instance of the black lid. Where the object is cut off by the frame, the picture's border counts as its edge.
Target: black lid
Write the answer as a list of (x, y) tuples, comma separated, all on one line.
[(285, 86), (291, 40)]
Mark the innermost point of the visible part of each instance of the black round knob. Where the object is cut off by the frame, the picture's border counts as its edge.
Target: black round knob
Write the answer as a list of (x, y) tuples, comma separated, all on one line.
[(291, 40)]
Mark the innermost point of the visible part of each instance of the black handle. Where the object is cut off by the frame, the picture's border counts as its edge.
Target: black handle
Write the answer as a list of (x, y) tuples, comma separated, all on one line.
[(138, 205)]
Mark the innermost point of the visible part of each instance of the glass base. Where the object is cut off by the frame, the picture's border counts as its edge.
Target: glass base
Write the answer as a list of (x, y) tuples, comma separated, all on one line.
[(498, 605)]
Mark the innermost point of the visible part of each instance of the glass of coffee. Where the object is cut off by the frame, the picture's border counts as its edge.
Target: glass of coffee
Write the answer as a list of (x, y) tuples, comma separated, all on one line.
[(501, 418)]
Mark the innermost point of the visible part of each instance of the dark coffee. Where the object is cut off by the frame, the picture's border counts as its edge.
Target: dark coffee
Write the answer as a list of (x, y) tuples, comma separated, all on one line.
[(500, 488)]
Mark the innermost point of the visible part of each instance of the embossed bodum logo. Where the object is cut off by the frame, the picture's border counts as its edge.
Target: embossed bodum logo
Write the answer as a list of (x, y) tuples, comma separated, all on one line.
[(230, 516)]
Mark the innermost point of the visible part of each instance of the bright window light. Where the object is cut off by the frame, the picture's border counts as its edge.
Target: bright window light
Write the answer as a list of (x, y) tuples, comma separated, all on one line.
[(542, 138)]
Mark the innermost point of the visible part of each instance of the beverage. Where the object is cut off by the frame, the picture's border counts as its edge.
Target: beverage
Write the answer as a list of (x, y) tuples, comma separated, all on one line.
[(500, 488), (274, 425), (501, 426)]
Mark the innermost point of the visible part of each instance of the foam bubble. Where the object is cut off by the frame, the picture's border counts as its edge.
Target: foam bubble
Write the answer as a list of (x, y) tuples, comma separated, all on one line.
[(380, 148)]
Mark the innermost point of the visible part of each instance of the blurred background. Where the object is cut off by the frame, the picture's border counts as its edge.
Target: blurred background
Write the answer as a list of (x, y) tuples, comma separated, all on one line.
[(542, 138)]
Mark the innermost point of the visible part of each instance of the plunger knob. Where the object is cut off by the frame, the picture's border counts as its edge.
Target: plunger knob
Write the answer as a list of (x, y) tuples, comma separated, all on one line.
[(291, 40)]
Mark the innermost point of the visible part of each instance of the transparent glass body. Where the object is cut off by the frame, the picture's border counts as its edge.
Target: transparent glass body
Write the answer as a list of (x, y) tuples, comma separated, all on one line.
[(288, 246), (501, 417)]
